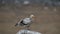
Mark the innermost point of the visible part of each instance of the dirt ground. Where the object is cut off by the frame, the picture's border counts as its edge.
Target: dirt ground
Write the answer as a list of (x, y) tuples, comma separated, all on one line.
[(47, 20)]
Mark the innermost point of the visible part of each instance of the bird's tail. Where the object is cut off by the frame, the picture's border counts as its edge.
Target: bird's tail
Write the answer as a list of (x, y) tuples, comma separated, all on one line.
[(21, 24), (16, 24)]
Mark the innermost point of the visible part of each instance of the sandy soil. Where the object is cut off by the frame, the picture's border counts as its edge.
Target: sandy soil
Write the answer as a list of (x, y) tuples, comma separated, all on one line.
[(47, 19)]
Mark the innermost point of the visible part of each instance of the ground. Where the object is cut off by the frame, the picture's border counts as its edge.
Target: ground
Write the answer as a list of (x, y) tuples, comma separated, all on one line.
[(47, 20)]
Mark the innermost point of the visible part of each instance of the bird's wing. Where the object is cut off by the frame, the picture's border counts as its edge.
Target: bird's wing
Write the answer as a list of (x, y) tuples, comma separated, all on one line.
[(20, 21), (26, 20)]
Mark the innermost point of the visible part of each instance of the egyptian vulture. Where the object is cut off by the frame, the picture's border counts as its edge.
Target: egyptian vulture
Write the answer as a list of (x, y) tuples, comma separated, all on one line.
[(26, 22)]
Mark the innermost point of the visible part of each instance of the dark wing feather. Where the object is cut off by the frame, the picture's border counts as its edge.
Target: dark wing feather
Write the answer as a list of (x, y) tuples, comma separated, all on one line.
[(16, 24), (21, 23)]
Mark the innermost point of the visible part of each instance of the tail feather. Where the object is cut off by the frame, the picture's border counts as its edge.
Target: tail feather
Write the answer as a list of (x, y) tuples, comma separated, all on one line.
[(21, 24), (16, 24)]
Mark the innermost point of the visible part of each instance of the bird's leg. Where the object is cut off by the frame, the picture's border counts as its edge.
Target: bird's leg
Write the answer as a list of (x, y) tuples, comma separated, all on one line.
[(24, 27), (28, 27)]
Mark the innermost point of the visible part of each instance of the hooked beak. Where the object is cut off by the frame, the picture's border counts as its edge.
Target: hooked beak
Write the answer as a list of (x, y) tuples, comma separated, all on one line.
[(33, 17)]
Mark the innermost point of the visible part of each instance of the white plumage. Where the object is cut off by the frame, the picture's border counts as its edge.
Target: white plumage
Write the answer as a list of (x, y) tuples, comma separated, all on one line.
[(25, 21)]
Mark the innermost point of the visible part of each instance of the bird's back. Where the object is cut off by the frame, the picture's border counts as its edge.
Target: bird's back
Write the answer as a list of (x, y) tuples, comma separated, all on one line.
[(27, 20)]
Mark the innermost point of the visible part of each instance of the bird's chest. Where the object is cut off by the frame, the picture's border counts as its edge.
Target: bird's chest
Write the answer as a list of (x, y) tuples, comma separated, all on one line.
[(27, 20)]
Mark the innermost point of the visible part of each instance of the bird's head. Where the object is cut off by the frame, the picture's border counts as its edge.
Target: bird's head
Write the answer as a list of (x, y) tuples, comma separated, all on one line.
[(32, 16)]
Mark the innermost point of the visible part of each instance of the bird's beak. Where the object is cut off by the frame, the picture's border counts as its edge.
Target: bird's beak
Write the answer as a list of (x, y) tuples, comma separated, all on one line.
[(33, 17)]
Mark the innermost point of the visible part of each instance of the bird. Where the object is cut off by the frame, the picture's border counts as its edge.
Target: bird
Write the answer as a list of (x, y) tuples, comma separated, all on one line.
[(26, 22)]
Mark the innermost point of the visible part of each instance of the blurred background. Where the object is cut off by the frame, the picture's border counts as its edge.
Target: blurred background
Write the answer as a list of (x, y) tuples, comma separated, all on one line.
[(47, 14)]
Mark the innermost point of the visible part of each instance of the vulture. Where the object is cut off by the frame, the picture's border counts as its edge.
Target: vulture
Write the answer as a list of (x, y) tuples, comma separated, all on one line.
[(26, 22)]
